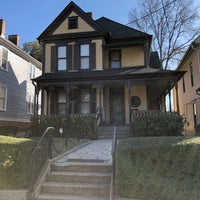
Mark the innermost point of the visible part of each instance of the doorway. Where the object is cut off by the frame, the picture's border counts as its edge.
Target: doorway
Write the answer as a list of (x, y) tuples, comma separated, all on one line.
[(117, 107)]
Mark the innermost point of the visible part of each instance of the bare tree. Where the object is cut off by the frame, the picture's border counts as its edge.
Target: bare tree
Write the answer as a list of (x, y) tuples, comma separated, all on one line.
[(172, 24)]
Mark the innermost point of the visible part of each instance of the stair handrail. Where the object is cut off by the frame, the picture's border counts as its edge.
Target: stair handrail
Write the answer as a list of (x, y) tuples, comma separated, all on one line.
[(40, 154), (114, 144)]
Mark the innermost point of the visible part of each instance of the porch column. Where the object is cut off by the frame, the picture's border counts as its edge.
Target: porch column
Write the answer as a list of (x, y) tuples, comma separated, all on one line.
[(35, 103), (177, 99), (48, 101), (67, 89), (100, 89), (170, 103), (129, 105)]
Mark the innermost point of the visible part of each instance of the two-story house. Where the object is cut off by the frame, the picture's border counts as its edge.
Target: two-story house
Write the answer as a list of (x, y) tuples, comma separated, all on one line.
[(189, 86), (100, 64), (17, 68)]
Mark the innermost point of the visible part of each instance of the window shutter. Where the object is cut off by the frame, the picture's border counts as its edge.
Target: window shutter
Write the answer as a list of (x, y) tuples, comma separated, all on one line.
[(69, 57), (76, 56), (53, 58), (93, 56)]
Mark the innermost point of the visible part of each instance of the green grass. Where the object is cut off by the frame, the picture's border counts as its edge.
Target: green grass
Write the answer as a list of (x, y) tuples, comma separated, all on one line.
[(159, 168)]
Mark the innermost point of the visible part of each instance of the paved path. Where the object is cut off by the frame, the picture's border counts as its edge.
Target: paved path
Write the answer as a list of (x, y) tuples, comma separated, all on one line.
[(95, 150)]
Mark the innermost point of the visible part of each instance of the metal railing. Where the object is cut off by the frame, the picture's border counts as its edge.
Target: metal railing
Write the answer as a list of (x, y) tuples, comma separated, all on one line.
[(41, 153), (113, 184)]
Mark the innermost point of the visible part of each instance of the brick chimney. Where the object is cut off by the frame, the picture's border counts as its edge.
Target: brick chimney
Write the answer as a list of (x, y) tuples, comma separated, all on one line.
[(14, 39), (2, 28), (89, 14)]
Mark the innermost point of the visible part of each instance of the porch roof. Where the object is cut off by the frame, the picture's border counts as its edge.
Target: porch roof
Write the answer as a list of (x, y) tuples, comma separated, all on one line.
[(139, 73)]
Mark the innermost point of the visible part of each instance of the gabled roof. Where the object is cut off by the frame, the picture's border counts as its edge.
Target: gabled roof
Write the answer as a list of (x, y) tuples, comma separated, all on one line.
[(193, 47), (118, 30), (16, 50), (103, 26), (62, 16)]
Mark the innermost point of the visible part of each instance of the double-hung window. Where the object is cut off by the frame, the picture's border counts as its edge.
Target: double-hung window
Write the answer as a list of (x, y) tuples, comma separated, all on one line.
[(3, 97), (85, 101), (62, 58), (4, 59), (31, 71), (115, 59), (29, 104), (85, 56)]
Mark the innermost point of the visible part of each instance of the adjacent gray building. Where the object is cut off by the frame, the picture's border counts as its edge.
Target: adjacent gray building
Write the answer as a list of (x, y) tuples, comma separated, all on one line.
[(17, 68)]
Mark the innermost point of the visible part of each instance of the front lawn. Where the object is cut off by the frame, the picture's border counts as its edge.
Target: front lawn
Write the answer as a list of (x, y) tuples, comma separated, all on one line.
[(162, 168)]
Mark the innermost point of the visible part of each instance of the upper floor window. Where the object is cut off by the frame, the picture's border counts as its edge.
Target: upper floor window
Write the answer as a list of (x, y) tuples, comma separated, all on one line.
[(72, 22), (115, 59), (31, 71), (84, 56), (62, 58), (3, 97), (191, 75), (4, 60)]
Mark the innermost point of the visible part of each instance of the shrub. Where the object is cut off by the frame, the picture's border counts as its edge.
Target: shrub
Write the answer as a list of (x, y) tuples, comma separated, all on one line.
[(163, 168), (80, 126), (157, 125), (75, 126), (15, 162)]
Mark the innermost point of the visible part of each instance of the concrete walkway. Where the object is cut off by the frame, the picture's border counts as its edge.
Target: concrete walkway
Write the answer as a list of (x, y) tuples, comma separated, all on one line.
[(95, 150)]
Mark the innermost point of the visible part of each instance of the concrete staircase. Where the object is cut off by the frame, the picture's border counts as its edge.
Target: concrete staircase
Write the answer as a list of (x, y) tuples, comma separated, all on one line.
[(106, 132), (78, 180)]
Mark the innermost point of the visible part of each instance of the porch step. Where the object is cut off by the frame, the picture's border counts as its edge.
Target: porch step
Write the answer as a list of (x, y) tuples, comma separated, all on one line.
[(77, 181), (106, 132)]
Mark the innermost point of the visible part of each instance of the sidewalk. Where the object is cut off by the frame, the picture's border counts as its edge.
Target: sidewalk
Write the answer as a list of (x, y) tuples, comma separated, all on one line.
[(95, 150)]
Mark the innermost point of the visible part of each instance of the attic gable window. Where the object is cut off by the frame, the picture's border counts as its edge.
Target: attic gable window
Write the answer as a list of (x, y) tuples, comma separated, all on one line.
[(72, 22)]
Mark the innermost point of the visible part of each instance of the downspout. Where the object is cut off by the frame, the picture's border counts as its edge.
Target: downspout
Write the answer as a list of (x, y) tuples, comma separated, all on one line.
[(35, 113)]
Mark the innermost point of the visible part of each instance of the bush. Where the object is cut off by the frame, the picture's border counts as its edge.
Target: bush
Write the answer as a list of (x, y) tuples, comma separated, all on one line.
[(75, 126), (80, 126), (163, 168), (157, 125), (15, 162)]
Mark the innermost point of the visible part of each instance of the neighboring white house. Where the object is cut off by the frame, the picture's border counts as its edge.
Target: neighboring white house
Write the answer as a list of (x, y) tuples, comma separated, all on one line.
[(17, 68)]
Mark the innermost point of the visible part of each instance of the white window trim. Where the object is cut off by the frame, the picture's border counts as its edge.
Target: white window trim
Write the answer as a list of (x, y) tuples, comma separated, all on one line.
[(1, 53), (6, 95)]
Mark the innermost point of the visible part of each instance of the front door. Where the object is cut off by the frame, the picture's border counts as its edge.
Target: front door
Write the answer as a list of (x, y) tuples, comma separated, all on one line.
[(117, 105)]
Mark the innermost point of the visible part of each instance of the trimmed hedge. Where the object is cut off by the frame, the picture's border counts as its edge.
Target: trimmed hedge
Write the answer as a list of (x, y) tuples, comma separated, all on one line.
[(15, 162), (75, 126), (157, 125), (163, 168)]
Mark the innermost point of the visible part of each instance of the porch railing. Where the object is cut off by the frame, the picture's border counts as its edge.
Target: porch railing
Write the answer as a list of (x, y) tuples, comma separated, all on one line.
[(150, 113)]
